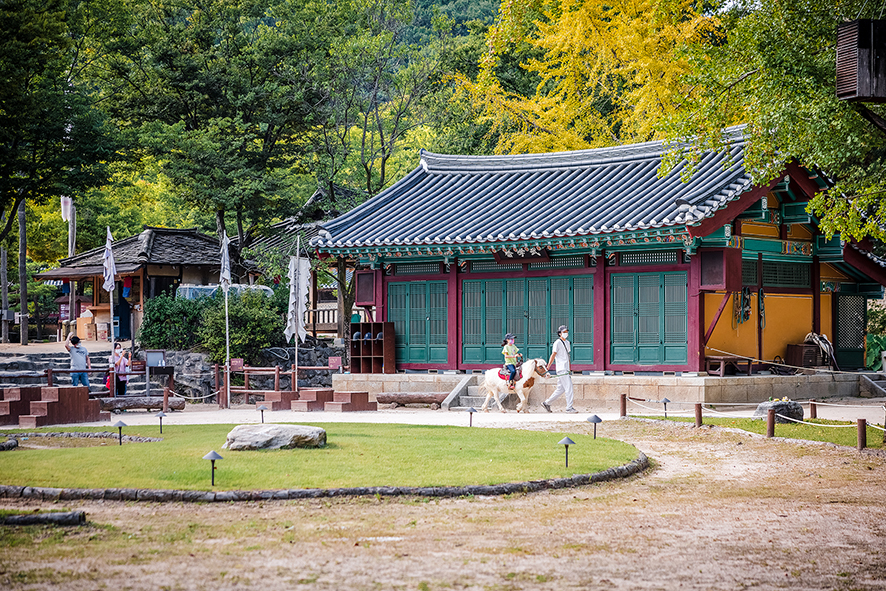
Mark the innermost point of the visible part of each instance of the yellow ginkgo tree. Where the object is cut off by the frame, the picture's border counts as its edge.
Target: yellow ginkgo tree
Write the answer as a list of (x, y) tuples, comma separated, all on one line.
[(607, 72)]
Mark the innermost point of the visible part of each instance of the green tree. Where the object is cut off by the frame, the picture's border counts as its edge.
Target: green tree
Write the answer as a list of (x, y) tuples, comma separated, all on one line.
[(55, 141), (199, 85), (773, 69)]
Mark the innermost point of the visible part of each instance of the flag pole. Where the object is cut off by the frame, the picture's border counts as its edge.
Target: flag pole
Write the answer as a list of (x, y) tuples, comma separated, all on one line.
[(225, 284), (297, 284), (227, 354)]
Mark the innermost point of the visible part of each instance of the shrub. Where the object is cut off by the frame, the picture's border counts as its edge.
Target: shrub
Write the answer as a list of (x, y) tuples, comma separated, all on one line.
[(169, 322), (255, 324)]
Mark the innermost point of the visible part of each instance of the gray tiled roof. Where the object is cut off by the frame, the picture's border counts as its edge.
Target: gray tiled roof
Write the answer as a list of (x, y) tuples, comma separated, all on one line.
[(155, 246), (282, 236), (463, 199)]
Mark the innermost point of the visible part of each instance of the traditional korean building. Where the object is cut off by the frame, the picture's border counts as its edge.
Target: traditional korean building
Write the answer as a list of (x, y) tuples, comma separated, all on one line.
[(649, 272)]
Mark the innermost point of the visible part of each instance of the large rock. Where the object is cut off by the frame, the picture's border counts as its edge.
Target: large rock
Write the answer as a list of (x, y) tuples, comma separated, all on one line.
[(786, 408), (247, 437)]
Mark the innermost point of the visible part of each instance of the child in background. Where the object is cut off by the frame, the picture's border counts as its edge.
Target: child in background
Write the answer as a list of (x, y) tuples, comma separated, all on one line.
[(510, 351)]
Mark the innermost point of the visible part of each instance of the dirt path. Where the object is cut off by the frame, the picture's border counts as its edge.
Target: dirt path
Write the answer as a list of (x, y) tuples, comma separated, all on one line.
[(720, 510)]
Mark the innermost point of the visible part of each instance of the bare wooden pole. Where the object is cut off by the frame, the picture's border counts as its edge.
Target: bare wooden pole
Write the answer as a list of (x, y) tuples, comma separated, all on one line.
[(23, 273), (4, 289)]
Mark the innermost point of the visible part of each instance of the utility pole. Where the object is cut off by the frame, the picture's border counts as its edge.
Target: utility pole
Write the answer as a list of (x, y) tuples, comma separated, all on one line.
[(4, 292), (23, 272)]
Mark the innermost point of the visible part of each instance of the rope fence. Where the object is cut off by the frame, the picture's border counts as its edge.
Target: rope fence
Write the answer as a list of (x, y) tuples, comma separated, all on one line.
[(701, 407)]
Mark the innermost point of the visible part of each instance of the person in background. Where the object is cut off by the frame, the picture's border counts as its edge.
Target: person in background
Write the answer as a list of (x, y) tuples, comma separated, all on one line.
[(561, 351), (79, 360), (120, 360)]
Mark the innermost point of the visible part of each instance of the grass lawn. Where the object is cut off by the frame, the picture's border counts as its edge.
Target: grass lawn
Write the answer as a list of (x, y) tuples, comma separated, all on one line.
[(355, 455), (845, 435)]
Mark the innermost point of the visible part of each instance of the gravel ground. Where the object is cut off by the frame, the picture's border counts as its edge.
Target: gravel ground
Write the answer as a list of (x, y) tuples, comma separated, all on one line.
[(719, 510)]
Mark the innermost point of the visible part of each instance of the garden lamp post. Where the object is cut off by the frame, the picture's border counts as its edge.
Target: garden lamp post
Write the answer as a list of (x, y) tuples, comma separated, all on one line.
[(471, 410), (262, 409), (120, 425), (567, 442), (665, 401), (160, 416), (212, 457), (595, 419)]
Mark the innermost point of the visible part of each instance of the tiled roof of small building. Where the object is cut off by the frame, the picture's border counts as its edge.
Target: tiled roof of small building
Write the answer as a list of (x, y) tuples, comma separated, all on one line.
[(156, 246), (465, 199)]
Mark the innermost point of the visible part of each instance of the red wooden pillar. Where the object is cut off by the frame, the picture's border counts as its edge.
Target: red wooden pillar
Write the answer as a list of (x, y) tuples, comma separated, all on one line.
[(696, 324), (601, 315), (453, 299)]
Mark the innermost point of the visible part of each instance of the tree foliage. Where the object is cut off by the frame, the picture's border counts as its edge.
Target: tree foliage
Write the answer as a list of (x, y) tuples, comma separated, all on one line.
[(255, 324), (606, 72), (775, 72), (199, 86), (55, 141)]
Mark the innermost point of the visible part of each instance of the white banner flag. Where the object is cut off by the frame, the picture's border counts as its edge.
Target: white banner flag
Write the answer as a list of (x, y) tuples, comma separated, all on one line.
[(299, 276), (109, 268), (225, 278), (67, 202)]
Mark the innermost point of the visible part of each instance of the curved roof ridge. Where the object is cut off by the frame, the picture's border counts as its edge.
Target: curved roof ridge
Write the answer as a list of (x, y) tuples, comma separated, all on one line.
[(435, 163)]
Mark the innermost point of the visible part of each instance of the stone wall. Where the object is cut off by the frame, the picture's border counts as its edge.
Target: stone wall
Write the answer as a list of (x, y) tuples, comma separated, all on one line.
[(395, 382), (602, 393)]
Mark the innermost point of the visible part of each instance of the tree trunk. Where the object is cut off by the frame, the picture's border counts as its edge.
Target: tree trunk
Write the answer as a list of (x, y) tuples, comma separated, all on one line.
[(220, 222), (4, 290), (23, 272)]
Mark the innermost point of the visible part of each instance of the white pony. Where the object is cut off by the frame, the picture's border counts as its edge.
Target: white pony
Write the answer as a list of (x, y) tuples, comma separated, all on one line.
[(493, 385)]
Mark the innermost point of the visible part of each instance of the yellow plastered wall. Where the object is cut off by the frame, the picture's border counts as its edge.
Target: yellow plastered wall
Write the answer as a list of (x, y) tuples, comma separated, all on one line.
[(741, 340), (788, 320)]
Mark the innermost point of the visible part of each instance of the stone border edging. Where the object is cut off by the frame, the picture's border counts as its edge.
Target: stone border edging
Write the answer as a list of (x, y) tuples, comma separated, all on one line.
[(199, 496), (86, 435)]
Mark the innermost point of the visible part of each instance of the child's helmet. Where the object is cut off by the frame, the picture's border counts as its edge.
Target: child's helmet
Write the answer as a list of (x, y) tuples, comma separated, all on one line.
[(509, 336)]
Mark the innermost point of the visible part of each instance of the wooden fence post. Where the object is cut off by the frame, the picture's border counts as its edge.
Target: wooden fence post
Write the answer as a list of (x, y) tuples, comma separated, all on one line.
[(813, 409), (623, 405), (113, 383), (698, 414), (770, 423), (862, 434), (49, 377), (276, 378)]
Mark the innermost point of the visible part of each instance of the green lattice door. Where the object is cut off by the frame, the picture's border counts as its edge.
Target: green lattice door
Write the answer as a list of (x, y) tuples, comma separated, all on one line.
[(850, 324), (419, 311), (532, 309), (649, 318)]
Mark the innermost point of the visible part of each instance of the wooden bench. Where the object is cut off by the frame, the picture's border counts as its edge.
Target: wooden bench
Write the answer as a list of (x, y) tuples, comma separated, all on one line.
[(141, 402), (721, 362), (435, 399)]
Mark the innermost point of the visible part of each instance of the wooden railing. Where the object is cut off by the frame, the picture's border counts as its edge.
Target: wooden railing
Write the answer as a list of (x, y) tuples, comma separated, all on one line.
[(326, 319)]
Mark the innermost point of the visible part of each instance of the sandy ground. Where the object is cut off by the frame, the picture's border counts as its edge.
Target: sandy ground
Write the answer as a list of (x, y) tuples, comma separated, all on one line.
[(719, 510)]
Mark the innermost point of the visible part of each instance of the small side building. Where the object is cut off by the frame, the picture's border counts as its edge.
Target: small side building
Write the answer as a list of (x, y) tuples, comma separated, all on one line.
[(152, 262)]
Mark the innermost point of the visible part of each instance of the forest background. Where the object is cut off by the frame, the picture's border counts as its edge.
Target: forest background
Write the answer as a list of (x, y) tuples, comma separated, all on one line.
[(227, 115)]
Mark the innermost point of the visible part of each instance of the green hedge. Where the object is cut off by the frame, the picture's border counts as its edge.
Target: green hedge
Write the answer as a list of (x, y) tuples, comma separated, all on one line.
[(179, 324)]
